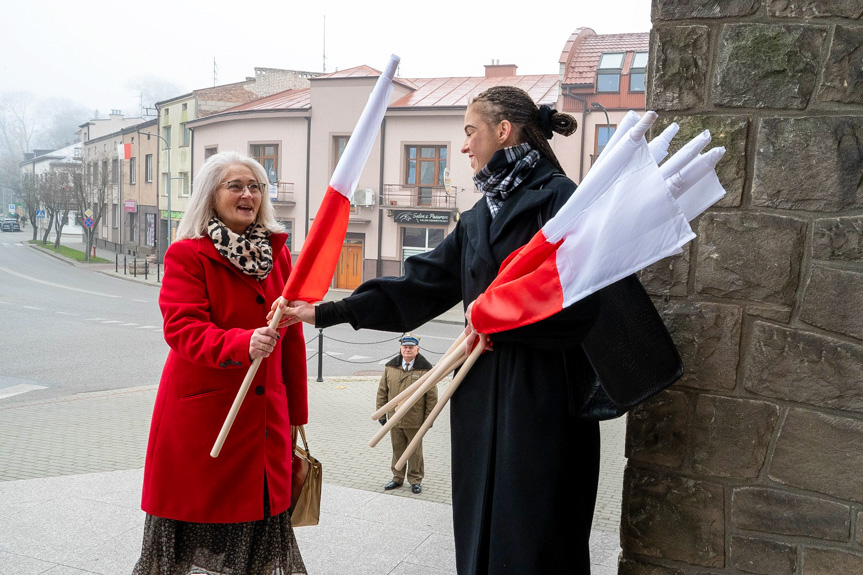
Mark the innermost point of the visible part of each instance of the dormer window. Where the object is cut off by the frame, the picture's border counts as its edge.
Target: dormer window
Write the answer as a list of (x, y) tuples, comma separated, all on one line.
[(608, 72), (637, 72)]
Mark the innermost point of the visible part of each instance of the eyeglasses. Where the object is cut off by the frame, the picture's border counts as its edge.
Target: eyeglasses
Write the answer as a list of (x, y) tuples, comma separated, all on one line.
[(235, 187)]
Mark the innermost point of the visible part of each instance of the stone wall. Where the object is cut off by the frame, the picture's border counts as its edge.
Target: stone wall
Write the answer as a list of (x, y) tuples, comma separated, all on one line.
[(753, 462)]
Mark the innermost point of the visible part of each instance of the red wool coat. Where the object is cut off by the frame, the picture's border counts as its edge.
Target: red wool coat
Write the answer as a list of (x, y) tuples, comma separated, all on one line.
[(209, 310)]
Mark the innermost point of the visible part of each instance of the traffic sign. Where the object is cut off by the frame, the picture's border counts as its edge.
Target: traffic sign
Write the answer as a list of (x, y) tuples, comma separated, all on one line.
[(88, 213), (88, 222), (40, 213)]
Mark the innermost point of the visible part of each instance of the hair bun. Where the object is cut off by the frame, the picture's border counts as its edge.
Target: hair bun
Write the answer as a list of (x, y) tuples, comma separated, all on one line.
[(550, 120)]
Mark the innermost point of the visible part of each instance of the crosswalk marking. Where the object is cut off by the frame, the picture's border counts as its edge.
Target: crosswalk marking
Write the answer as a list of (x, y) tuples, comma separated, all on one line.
[(19, 389), (356, 357)]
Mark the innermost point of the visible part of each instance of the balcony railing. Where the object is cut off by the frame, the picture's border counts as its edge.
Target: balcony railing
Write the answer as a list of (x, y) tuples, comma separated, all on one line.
[(282, 193), (409, 196)]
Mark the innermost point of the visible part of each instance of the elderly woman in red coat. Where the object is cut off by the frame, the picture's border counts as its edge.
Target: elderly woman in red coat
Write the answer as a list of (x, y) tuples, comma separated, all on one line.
[(228, 264)]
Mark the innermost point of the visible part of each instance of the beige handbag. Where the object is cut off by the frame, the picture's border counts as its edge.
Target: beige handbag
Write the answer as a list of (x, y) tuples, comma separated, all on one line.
[(306, 482)]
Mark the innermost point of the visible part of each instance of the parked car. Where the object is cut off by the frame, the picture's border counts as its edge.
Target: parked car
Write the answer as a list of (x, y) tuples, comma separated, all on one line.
[(10, 224)]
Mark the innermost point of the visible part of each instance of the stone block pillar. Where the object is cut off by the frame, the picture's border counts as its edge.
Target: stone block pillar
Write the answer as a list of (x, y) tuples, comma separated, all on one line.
[(753, 462)]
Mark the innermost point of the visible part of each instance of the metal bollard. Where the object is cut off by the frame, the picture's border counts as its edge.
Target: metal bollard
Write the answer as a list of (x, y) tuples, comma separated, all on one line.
[(320, 354), (135, 266), (125, 267), (146, 268), (116, 262), (158, 273)]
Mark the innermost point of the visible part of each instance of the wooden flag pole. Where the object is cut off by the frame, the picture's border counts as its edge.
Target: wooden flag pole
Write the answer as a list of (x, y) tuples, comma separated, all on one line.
[(241, 393), (415, 385), (451, 363), (440, 405)]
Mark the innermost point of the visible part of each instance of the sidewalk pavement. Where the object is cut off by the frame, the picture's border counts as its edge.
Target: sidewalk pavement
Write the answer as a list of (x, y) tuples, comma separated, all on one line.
[(71, 473)]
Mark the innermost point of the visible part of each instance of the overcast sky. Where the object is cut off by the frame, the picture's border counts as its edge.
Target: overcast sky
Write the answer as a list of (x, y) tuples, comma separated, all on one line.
[(93, 52)]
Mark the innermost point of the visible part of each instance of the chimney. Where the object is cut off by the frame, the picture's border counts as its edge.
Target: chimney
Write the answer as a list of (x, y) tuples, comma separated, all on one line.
[(498, 70)]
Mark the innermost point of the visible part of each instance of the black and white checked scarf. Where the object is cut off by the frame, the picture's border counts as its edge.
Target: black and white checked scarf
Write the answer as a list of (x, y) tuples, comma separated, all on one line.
[(250, 252), (507, 168)]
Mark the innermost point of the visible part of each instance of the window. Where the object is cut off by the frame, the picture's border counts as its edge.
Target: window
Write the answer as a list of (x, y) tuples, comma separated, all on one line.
[(268, 156), (210, 152), (114, 216), (420, 240), (166, 112), (183, 181), (339, 145), (150, 233), (148, 168), (603, 135), (637, 71), (289, 229), (608, 72), (187, 136), (132, 170), (425, 169), (166, 133), (133, 227), (185, 106)]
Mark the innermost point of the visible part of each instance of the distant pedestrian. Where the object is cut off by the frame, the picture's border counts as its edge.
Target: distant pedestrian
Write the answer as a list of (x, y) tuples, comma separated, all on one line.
[(229, 514), (399, 373)]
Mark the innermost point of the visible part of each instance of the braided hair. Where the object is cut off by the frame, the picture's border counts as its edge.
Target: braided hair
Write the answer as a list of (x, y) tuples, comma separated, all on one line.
[(534, 125)]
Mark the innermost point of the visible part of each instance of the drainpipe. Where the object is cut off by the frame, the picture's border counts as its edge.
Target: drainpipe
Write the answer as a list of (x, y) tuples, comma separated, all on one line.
[(379, 270), (583, 116)]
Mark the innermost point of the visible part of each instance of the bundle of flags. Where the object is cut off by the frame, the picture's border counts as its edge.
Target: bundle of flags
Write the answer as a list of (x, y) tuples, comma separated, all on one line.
[(628, 213)]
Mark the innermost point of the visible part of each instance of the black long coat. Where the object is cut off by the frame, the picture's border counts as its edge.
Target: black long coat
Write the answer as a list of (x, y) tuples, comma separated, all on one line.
[(524, 470)]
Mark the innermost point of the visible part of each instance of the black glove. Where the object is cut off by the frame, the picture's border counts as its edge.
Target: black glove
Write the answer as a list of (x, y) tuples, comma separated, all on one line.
[(383, 420)]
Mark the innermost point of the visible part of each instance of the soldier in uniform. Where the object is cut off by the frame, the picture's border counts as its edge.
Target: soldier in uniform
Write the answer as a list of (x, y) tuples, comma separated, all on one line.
[(400, 373)]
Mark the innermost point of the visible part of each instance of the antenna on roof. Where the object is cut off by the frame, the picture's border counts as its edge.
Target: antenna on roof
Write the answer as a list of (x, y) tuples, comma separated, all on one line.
[(215, 71), (324, 70)]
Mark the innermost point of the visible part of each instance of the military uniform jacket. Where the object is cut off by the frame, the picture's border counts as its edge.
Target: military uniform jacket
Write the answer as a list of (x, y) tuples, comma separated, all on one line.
[(395, 380)]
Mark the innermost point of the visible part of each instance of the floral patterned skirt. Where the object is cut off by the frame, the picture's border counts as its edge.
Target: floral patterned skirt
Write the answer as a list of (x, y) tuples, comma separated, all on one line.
[(265, 547)]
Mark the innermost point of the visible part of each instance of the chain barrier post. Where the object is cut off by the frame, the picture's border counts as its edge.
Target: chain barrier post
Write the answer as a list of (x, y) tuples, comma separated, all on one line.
[(320, 354)]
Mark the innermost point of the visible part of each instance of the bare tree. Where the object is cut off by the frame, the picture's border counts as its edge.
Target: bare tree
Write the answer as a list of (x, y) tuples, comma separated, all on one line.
[(30, 194), (61, 120), (152, 90), (92, 191)]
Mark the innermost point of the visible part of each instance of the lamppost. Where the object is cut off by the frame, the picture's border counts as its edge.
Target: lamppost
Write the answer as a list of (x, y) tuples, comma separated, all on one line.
[(168, 184), (598, 106)]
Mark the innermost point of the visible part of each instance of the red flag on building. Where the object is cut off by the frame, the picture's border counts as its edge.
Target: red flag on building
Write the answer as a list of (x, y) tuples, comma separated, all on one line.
[(124, 151)]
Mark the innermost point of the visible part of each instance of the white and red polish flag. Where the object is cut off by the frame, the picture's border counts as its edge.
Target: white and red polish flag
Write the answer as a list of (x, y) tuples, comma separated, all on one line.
[(124, 151), (313, 272), (623, 217)]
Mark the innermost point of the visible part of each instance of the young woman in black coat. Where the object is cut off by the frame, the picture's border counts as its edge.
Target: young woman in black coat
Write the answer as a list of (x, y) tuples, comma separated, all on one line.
[(524, 468)]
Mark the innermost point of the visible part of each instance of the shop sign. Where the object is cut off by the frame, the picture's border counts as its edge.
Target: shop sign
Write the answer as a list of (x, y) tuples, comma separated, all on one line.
[(421, 217)]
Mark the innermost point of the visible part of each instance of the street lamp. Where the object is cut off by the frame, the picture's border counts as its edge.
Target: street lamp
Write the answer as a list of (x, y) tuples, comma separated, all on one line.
[(598, 106), (168, 185)]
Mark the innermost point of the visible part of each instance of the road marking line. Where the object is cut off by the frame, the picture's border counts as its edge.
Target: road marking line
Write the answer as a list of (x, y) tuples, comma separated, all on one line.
[(19, 389), (65, 313), (353, 357), (14, 273), (31, 307), (142, 300), (111, 321), (125, 324), (95, 319)]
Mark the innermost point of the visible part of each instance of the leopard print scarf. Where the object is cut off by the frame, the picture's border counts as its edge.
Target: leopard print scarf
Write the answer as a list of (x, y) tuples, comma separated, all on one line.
[(250, 252)]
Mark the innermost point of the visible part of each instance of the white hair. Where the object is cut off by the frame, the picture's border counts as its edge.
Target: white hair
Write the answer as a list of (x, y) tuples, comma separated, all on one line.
[(202, 204)]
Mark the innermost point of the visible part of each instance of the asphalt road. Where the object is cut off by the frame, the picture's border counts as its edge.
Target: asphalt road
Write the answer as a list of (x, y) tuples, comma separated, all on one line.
[(67, 329)]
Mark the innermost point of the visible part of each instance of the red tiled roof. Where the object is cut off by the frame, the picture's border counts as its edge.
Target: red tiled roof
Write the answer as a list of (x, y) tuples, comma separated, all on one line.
[(455, 92), (583, 49)]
